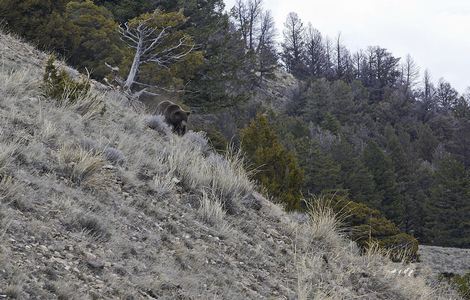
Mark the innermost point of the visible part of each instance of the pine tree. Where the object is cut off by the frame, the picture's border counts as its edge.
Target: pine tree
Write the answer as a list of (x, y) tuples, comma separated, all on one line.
[(355, 177), (317, 101), (39, 21), (97, 38), (222, 80), (277, 169), (322, 173), (331, 124), (382, 169), (448, 222), (293, 45)]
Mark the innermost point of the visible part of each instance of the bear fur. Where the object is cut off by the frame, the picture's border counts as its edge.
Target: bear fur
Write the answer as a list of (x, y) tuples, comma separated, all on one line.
[(174, 116)]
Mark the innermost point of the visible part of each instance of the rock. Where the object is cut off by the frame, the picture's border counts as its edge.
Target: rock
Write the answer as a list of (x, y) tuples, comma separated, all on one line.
[(95, 263)]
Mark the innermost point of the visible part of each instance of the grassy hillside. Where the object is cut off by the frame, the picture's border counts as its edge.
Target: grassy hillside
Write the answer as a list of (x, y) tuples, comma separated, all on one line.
[(101, 206)]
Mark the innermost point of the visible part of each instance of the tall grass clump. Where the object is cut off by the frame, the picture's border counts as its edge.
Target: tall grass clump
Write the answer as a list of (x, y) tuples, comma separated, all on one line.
[(17, 81), (69, 93), (224, 174), (157, 123), (163, 186), (81, 166), (7, 185), (326, 221), (211, 211), (8, 188), (7, 154)]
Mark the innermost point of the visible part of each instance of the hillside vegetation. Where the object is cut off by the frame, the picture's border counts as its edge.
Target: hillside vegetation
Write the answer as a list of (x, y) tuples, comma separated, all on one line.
[(366, 124), (108, 203)]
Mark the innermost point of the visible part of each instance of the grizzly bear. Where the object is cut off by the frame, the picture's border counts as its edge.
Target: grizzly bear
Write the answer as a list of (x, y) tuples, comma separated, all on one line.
[(174, 115)]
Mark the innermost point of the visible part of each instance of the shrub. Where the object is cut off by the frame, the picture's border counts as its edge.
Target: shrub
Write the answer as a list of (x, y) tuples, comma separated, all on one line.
[(216, 139), (81, 166), (67, 92), (7, 154), (18, 82), (463, 284), (224, 174), (57, 83), (114, 156), (369, 226), (402, 246), (199, 139), (157, 123), (91, 224), (326, 221), (277, 168)]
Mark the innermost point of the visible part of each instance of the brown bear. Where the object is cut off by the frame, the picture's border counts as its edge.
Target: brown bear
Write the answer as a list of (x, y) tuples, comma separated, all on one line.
[(174, 115)]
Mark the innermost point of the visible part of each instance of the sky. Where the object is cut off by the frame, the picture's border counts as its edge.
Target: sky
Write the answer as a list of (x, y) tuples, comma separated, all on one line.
[(436, 33)]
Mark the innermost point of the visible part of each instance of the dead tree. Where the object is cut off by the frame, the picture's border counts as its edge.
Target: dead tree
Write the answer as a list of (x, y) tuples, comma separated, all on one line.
[(152, 44)]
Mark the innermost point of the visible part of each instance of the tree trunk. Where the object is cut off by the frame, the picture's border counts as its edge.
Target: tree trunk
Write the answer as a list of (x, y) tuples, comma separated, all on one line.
[(135, 66)]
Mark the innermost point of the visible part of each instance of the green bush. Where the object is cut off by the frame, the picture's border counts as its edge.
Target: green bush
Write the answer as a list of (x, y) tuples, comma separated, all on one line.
[(370, 226), (460, 282), (463, 284), (216, 138), (277, 168), (58, 85)]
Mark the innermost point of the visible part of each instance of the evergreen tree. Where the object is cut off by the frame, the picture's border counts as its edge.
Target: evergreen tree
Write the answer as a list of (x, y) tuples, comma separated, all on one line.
[(293, 45), (322, 173), (355, 177), (317, 101), (342, 102), (277, 169), (448, 222), (39, 21), (125, 10), (381, 167), (426, 143), (331, 124), (96, 34), (225, 75)]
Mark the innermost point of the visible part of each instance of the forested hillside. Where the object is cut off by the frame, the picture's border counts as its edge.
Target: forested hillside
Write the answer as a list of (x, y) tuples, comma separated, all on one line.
[(366, 125)]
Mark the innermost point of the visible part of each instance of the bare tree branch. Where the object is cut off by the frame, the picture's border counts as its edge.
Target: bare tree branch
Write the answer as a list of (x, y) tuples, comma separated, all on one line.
[(152, 44)]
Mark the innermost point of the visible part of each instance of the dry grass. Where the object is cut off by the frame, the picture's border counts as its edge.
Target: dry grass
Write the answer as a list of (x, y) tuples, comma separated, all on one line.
[(329, 266), (19, 82), (82, 166), (87, 103), (164, 186), (211, 211), (224, 175), (325, 224), (157, 123), (8, 151), (8, 188)]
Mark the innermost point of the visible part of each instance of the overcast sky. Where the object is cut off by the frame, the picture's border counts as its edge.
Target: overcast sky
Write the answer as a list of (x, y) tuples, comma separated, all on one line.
[(435, 32)]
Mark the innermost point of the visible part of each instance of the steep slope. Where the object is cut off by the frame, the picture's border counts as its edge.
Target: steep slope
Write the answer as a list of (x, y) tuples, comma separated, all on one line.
[(104, 207)]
